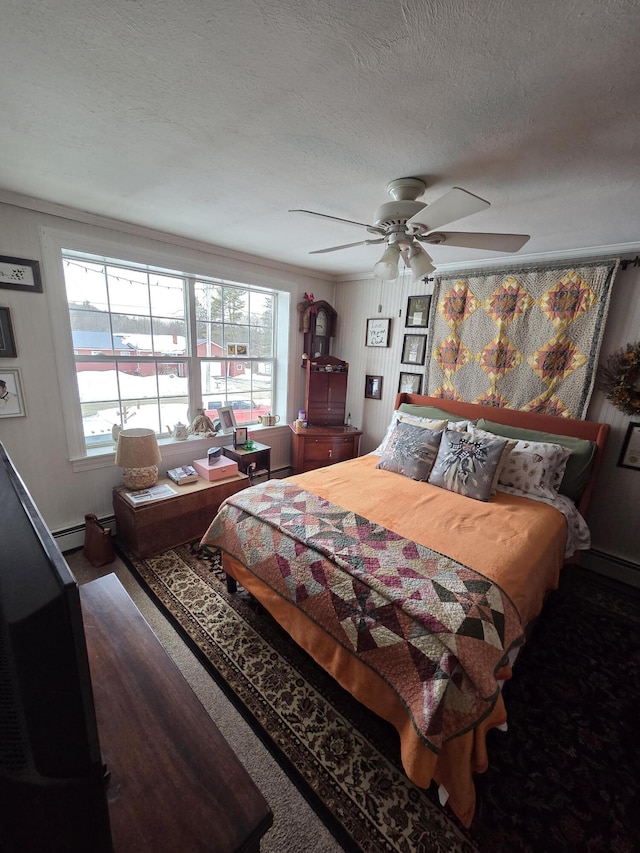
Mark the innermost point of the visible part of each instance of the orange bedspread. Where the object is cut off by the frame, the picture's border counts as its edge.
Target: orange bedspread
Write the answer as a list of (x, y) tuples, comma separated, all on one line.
[(517, 542)]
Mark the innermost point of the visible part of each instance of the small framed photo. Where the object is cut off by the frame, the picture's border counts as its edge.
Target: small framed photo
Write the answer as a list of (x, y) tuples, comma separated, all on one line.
[(378, 331), (227, 420), (241, 349), (373, 387), (231, 349), (7, 341), (20, 274), (240, 436), (418, 311), (410, 383), (413, 349), (11, 396), (630, 454)]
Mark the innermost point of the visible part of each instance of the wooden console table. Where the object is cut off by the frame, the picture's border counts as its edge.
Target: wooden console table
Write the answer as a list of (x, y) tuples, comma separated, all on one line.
[(154, 527), (318, 446), (175, 783)]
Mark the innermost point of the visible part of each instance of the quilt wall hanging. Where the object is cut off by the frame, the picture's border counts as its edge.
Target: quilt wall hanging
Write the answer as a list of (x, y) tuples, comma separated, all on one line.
[(525, 338)]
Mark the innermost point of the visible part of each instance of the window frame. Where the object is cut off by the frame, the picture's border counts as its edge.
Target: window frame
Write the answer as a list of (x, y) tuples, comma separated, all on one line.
[(160, 258)]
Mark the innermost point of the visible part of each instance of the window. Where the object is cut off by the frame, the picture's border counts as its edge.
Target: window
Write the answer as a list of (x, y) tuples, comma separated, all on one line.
[(151, 346)]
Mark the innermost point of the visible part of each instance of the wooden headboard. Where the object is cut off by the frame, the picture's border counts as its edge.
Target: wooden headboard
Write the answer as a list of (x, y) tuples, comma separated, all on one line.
[(590, 430)]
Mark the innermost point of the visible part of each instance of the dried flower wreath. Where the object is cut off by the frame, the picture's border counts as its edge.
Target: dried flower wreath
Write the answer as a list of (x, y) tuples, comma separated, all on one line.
[(620, 379)]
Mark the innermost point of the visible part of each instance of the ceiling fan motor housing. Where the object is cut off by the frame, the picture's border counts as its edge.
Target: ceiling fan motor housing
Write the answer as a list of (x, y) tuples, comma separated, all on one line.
[(395, 213)]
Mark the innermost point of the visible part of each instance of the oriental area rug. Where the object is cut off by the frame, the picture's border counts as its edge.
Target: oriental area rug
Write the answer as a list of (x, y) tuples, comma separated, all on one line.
[(563, 777)]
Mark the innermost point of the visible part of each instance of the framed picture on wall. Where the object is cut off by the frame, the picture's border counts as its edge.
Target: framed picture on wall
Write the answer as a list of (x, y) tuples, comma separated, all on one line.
[(373, 387), (7, 341), (20, 274), (413, 349), (410, 383), (630, 453), (418, 311), (378, 332), (11, 395)]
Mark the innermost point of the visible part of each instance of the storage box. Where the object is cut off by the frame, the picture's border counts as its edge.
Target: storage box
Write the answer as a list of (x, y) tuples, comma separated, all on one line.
[(223, 468)]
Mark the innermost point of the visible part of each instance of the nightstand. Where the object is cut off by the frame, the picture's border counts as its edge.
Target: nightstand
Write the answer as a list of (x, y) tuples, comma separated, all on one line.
[(253, 463)]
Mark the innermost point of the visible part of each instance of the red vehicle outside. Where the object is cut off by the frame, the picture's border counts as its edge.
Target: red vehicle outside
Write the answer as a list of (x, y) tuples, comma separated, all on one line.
[(244, 411)]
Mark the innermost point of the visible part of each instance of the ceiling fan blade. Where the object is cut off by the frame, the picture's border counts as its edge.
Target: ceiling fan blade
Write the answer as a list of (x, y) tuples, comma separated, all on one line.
[(455, 204), (496, 242), (374, 229), (347, 246)]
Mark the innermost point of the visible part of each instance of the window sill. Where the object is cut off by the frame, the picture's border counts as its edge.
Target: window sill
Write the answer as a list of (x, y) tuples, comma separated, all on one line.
[(104, 457)]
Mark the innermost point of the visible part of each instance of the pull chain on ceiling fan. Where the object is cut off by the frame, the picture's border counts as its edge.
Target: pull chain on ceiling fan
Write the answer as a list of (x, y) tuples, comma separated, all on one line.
[(405, 223)]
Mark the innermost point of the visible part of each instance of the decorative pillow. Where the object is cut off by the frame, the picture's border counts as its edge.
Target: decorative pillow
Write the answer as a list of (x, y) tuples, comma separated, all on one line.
[(425, 423), (578, 470), (411, 451), (466, 464), (476, 432), (535, 468)]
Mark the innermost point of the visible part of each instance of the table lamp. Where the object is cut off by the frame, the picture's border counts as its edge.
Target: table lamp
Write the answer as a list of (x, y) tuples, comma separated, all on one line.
[(138, 454)]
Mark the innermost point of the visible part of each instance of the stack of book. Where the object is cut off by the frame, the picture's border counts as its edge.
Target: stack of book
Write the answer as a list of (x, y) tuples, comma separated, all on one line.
[(182, 475)]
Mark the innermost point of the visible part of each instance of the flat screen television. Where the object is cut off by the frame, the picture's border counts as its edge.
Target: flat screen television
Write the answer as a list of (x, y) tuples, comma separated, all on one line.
[(53, 784)]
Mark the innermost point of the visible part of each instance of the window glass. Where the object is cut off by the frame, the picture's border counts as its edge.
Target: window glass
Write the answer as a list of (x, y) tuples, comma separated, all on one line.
[(136, 364)]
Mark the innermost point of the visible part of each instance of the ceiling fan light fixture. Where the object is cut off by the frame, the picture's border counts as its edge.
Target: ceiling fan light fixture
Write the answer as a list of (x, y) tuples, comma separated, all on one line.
[(387, 266), (420, 263)]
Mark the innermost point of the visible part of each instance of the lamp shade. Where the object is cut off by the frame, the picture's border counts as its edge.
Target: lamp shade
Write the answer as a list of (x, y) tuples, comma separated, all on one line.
[(387, 266), (138, 453), (420, 263)]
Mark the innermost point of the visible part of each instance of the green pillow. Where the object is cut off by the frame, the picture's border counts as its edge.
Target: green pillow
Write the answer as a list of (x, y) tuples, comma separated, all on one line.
[(429, 412), (578, 470)]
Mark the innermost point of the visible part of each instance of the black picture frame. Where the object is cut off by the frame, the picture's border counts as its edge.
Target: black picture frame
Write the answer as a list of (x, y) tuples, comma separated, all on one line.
[(630, 453), (378, 331), (7, 339), (418, 308), (240, 436), (20, 274), (373, 387), (414, 349), (409, 382)]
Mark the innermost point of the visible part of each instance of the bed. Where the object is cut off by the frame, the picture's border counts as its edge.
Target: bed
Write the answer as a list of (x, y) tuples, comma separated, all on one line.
[(415, 592)]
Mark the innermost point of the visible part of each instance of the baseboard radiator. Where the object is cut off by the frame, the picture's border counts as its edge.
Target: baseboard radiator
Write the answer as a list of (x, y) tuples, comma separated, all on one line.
[(613, 567), (71, 538)]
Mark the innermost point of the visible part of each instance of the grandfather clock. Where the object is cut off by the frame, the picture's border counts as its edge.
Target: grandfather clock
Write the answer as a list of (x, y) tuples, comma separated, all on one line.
[(321, 328)]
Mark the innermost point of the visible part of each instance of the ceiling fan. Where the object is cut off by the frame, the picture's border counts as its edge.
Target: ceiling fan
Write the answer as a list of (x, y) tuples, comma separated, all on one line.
[(404, 224)]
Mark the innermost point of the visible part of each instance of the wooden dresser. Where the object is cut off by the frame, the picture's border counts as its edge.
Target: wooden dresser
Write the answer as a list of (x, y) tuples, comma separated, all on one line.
[(174, 783), (318, 446)]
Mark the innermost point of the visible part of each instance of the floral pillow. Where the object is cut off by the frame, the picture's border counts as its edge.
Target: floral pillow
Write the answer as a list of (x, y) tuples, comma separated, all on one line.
[(425, 423), (411, 451), (535, 468), (467, 464)]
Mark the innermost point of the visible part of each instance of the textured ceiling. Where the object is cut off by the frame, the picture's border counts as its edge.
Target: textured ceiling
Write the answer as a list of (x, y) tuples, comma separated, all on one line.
[(211, 118)]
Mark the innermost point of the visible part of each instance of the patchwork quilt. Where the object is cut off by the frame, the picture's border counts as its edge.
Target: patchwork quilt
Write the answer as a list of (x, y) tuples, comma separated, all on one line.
[(435, 630)]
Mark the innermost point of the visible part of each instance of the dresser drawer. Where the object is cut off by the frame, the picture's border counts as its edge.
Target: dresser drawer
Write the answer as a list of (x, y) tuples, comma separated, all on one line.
[(329, 450), (316, 447)]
